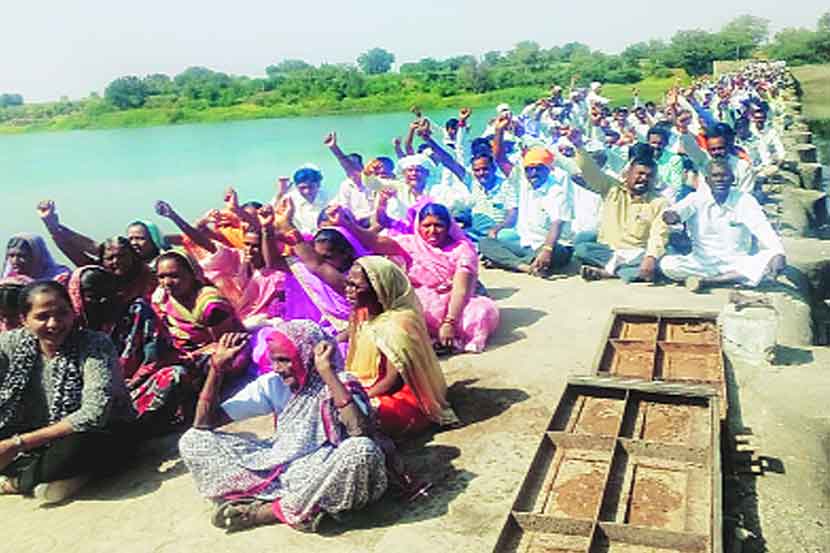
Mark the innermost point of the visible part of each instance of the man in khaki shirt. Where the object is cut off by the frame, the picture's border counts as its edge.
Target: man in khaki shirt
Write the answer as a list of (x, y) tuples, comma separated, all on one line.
[(632, 235)]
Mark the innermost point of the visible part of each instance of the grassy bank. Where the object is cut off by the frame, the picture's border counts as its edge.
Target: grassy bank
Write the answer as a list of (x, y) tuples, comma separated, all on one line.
[(650, 89), (815, 86)]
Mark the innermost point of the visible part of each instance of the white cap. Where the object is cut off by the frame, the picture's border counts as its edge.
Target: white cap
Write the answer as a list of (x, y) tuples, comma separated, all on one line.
[(501, 108)]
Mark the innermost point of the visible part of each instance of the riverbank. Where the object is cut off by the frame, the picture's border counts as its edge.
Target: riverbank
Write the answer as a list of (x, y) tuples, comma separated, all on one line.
[(93, 114), (815, 84)]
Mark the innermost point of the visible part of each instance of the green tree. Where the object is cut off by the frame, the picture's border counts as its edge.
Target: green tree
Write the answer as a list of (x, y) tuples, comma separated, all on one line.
[(795, 46), (493, 57), (376, 61), (287, 66), (158, 83), (741, 37), (126, 92), (692, 50), (525, 52)]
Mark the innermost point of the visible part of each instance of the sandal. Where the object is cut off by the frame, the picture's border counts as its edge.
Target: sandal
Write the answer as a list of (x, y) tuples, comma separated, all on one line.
[(590, 274), (8, 486), (312, 525), (237, 514)]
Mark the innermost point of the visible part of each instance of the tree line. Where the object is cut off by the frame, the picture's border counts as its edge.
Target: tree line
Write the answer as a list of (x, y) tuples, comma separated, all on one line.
[(528, 64)]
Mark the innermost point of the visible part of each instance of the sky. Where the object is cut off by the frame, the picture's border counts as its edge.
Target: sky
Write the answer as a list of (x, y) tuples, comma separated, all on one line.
[(71, 48)]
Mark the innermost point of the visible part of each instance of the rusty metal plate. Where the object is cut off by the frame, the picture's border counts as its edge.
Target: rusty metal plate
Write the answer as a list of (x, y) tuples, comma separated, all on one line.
[(676, 346), (631, 467)]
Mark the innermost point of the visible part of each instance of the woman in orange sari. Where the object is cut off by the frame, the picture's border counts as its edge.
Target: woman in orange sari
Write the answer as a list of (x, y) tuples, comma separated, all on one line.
[(390, 351)]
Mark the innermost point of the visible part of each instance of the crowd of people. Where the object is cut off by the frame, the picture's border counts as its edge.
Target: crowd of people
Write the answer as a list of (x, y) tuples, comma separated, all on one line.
[(329, 313)]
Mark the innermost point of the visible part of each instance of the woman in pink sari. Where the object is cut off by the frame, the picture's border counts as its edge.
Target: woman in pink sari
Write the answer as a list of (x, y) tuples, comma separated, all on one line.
[(444, 272)]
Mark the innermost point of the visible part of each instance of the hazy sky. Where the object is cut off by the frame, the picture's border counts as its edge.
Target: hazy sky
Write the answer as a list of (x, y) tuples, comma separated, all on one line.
[(51, 49)]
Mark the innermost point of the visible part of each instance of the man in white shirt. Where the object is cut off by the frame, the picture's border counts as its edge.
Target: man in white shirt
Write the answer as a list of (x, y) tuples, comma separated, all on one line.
[(309, 200), (545, 215), (722, 222), (720, 145), (765, 146)]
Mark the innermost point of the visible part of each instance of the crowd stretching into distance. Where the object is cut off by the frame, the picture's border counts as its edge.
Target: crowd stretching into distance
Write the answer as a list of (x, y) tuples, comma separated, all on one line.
[(329, 313)]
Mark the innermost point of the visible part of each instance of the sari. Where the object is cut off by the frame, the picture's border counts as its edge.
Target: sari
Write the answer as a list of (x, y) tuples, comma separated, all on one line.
[(397, 339), (255, 296), (307, 296), (44, 266), (189, 328), (310, 464), (432, 272), (144, 354)]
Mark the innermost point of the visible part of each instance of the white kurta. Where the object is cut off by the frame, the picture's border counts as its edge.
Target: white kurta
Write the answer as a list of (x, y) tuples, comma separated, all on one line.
[(540, 207), (722, 238)]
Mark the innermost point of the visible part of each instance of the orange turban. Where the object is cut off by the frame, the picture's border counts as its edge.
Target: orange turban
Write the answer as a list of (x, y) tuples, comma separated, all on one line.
[(538, 156)]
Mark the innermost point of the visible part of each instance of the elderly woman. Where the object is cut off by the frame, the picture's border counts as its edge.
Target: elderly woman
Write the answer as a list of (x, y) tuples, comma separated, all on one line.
[(319, 460), (27, 255), (64, 407), (135, 278), (389, 350), (145, 356), (444, 272)]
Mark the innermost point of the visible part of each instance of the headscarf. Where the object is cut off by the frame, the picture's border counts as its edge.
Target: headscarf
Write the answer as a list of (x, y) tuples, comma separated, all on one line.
[(160, 241), (307, 296), (538, 156), (434, 266), (44, 266), (416, 160), (308, 421), (400, 335), (75, 292)]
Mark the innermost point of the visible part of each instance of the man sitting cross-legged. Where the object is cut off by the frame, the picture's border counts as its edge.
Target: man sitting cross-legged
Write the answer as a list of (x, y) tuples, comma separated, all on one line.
[(722, 221), (632, 234)]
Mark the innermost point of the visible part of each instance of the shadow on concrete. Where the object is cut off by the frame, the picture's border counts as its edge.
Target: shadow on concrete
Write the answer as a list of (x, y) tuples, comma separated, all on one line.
[(430, 463), (740, 488), (513, 319), (498, 294), (474, 405), (787, 356), (143, 472)]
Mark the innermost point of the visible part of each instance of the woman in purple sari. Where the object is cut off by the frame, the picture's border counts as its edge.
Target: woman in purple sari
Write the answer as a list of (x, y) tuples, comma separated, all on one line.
[(316, 283)]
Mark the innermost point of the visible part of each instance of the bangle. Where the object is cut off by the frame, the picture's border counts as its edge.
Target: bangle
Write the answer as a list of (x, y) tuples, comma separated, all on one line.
[(346, 403), (18, 442), (547, 248)]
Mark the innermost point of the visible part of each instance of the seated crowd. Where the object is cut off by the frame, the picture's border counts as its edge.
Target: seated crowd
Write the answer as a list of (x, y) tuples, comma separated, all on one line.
[(328, 313)]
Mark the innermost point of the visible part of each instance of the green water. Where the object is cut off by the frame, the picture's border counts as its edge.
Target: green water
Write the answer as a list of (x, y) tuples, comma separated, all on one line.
[(101, 180)]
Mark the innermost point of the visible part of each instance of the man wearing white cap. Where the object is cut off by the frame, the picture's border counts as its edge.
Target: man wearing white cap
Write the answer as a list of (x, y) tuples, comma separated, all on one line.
[(595, 95)]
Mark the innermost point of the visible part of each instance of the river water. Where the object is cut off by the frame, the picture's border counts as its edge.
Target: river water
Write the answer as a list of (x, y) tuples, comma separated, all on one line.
[(101, 180)]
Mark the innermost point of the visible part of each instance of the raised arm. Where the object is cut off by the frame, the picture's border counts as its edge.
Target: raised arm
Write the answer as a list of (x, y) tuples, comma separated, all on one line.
[(163, 209), (372, 241), (79, 249), (498, 145), (443, 156), (396, 143), (270, 245), (349, 168), (410, 137), (304, 250), (357, 422), (595, 179), (208, 415)]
